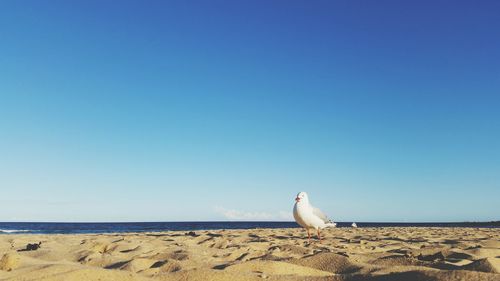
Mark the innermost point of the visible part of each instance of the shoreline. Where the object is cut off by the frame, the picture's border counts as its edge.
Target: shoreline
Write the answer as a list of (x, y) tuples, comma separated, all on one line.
[(141, 227)]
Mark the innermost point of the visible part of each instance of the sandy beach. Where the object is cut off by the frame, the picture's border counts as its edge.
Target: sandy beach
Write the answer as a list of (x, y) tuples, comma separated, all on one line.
[(257, 254)]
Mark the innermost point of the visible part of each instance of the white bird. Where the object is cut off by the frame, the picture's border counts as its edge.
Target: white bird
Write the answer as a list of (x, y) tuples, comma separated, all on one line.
[(310, 217), (354, 224)]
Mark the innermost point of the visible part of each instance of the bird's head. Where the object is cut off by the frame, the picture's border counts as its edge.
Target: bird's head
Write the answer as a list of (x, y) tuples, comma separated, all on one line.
[(301, 197)]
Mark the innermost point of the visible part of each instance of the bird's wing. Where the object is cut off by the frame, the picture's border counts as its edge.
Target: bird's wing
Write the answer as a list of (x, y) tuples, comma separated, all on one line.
[(317, 212)]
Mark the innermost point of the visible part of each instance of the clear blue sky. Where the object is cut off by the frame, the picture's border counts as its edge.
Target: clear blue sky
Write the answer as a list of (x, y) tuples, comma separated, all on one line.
[(214, 110)]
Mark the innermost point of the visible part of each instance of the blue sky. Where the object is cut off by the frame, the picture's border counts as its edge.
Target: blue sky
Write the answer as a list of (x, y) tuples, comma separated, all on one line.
[(224, 110)]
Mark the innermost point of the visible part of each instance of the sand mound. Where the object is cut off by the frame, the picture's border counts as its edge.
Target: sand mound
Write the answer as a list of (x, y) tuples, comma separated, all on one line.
[(491, 265), (276, 268), (329, 262), (10, 261)]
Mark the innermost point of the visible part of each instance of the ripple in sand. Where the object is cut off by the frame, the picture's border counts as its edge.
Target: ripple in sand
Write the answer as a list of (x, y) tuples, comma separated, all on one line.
[(179, 255), (137, 264)]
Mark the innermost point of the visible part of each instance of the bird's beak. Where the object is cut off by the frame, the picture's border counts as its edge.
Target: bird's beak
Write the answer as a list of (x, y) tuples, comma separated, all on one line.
[(297, 199)]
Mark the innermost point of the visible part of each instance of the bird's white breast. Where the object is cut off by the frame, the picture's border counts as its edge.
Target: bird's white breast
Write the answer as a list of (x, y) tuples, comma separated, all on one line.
[(305, 216)]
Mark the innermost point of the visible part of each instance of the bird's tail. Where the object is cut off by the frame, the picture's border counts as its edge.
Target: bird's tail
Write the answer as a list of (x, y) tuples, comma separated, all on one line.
[(331, 224)]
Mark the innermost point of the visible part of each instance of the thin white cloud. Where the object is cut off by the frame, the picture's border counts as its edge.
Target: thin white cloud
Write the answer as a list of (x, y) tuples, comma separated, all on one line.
[(232, 214), (286, 215)]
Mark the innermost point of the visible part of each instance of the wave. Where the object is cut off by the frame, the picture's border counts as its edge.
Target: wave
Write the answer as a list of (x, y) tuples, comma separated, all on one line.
[(14, 230)]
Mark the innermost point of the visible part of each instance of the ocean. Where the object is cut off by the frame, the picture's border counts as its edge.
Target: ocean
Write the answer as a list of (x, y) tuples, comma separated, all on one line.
[(75, 228)]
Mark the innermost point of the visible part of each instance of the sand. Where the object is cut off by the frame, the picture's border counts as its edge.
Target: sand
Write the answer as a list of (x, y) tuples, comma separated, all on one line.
[(257, 254)]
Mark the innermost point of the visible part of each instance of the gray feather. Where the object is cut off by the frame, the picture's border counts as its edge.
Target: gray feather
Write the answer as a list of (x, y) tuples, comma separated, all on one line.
[(317, 212)]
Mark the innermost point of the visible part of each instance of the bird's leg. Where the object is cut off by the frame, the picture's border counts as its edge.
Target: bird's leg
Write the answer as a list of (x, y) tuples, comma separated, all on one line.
[(319, 236), (308, 235)]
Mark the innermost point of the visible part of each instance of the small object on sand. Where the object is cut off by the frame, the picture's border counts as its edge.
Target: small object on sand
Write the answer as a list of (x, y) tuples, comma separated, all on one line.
[(32, 247), (354, 225), (191, 233), (310, 217)]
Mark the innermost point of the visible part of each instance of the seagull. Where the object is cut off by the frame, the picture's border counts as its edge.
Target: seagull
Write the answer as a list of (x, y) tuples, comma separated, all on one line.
[(310, 217), (354, 225)]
